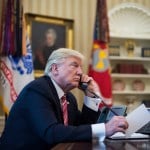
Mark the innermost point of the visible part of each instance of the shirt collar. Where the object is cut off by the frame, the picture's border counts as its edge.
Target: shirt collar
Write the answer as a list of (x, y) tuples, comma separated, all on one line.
[(59, 90)]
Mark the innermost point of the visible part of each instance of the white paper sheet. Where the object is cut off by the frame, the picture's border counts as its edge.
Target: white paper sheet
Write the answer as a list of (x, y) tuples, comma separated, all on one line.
[(120, 135), (137, 119)]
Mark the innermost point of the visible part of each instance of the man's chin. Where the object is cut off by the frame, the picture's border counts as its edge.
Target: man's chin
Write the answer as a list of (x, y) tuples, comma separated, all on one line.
[(75, 85)]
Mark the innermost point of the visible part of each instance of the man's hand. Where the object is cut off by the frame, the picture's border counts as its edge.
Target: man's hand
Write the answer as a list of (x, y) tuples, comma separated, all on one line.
[(92, 85), (116, 124)]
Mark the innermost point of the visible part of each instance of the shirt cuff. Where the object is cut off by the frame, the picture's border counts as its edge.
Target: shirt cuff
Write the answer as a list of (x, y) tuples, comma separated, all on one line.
[(98, 131), (92, 103)]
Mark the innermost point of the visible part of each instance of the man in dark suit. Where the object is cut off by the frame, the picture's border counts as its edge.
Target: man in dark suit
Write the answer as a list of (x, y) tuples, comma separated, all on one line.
[(38, 119)]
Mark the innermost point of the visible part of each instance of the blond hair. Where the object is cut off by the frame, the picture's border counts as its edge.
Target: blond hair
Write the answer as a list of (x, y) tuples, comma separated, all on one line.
[(59, 55)]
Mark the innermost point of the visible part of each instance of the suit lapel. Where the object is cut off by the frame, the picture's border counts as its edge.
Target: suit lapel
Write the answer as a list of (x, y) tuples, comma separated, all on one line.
[(54, 99), (71, 111)]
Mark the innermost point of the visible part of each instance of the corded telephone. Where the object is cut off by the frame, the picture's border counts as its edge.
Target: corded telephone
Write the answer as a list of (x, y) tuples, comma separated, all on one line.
[(106, 114)]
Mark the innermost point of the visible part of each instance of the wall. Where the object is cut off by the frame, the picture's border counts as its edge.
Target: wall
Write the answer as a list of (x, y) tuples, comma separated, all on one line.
[(81, 11)]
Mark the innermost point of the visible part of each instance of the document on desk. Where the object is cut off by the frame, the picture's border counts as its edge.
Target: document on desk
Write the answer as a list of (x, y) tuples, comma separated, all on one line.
[(136, 119)]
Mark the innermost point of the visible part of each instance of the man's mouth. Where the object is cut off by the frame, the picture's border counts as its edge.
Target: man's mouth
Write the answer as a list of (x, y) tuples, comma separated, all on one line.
[(77, 79)]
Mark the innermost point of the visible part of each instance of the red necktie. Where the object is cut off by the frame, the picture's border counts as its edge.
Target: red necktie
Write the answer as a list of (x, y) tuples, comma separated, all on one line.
[(64, 109)]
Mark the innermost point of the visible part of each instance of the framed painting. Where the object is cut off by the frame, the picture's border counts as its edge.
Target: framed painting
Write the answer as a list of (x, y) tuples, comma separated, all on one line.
[(47, 34)]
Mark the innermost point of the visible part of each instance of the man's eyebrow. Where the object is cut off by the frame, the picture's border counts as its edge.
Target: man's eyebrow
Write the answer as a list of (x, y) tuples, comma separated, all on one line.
[(74, 62)]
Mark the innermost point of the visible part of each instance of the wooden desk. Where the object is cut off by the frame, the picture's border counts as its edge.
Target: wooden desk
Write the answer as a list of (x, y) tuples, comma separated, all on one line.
[(107, 145)]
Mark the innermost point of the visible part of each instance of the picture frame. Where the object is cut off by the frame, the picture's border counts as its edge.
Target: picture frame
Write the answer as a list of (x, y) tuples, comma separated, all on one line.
[(46, 35)]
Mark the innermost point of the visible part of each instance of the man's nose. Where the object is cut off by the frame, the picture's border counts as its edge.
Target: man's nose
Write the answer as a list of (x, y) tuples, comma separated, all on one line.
[(79, 71)]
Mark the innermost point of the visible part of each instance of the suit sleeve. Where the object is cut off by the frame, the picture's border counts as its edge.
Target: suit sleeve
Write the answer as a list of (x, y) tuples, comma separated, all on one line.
[(41, 117), (86, 116)]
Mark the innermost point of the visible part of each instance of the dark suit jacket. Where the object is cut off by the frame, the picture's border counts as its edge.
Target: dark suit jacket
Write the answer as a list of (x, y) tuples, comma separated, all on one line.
[(36, 122)]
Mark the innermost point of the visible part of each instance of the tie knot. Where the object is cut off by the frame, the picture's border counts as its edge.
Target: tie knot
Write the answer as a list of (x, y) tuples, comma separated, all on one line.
[(63, 98)]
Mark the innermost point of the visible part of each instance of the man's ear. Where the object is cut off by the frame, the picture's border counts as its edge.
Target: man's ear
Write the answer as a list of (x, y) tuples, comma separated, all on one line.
[(54, 69)]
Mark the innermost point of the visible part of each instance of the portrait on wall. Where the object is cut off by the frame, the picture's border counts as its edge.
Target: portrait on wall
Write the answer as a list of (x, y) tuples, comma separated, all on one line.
[(47, 34)]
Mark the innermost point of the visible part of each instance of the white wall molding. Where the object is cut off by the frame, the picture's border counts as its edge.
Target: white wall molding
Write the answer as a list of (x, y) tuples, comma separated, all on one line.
[(129, 20)]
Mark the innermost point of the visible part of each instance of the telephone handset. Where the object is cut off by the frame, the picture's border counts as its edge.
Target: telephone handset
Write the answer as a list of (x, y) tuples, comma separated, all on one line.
[(83, 85)]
